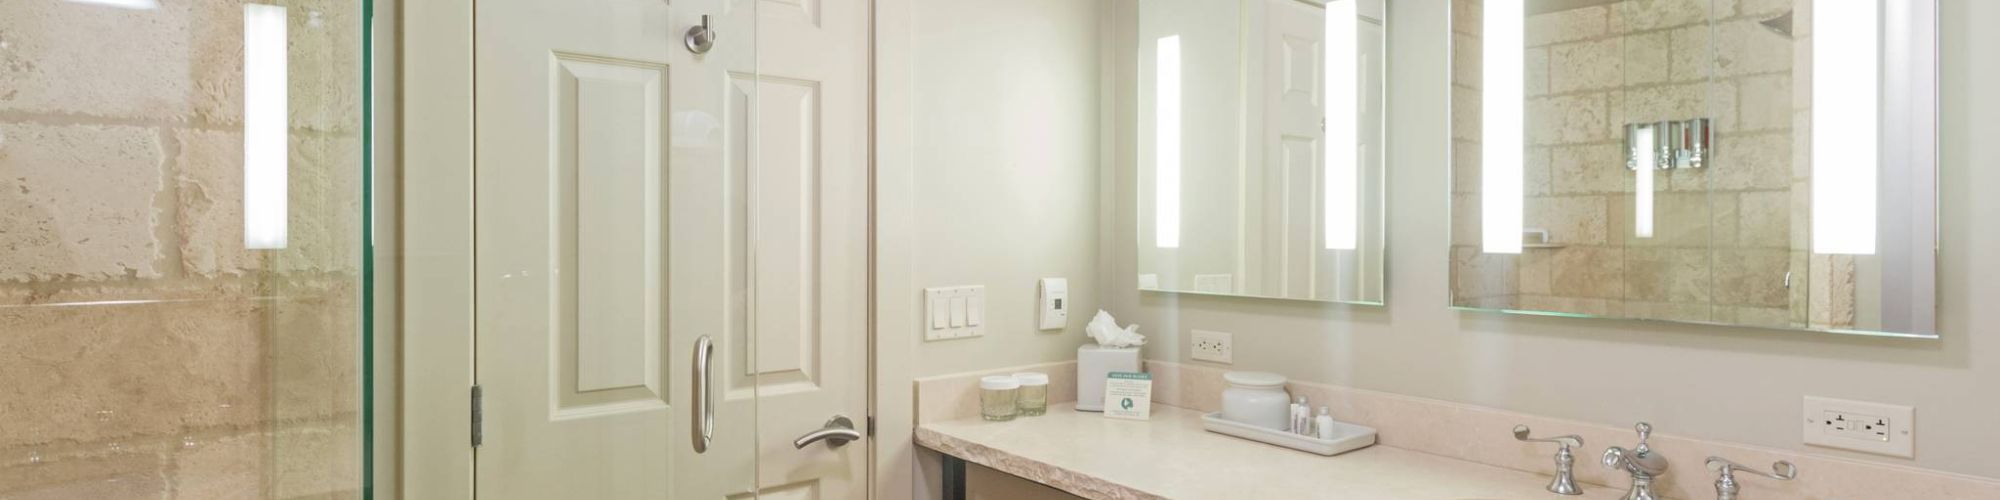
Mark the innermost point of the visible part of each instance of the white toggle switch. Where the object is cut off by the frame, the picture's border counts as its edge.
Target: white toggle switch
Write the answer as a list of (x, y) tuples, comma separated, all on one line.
[(1054, 303)]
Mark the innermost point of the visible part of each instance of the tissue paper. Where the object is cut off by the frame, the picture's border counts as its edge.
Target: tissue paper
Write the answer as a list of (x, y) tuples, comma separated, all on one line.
[(1104, 329)]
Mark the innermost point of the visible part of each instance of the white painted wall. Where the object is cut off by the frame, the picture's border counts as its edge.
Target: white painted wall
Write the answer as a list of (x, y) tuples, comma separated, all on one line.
[(1006, 161), (1737, 384)]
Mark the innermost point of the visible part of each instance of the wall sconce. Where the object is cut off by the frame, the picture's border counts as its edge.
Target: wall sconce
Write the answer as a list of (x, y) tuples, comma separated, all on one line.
[(1167, 142), (1342, 191)]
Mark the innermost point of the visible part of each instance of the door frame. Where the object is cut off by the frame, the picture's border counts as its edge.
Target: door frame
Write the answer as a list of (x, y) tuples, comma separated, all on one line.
[(426, 381)]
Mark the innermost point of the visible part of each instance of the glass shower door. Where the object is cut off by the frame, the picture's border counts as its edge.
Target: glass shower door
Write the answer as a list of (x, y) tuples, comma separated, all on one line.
[(182, 186)]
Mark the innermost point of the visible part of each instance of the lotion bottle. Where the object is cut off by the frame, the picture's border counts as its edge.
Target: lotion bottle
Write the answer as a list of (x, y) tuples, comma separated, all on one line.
[(1323, 424)]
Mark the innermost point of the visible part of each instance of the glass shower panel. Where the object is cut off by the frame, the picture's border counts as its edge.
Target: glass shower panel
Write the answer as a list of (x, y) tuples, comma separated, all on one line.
[(181, 249)]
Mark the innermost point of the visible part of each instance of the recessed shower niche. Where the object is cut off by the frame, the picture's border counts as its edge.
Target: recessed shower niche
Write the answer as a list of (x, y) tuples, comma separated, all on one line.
[(1766, 164)]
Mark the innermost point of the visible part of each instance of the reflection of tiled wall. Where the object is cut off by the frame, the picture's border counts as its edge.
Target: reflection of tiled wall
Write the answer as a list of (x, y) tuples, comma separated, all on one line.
[(144, 352), (1725, 235)]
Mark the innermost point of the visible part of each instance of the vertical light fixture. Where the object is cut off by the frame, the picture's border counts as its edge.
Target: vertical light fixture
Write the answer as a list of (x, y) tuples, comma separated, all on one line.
[(264, 136), (1167, 142), (1501, 134), (1644, 163), (1342, 196), (1845, 112)]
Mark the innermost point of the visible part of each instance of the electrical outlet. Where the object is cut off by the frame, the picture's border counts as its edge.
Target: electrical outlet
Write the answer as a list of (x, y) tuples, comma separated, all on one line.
[(1860, 426), (1211, 346)]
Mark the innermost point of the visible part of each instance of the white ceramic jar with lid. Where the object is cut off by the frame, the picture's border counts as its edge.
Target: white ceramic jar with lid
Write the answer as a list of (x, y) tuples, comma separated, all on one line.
[(1256, 398)]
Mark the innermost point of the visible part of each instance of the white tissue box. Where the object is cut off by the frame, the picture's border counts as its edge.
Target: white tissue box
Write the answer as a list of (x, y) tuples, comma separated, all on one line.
[(1095, 362)]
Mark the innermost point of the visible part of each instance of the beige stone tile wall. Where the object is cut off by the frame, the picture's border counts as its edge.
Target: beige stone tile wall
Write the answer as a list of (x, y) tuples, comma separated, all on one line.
[(144, 353), (1725, 236)]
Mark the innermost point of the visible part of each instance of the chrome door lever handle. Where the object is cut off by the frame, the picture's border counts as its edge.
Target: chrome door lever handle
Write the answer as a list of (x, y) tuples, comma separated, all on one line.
[(704, 395), (838, 431)]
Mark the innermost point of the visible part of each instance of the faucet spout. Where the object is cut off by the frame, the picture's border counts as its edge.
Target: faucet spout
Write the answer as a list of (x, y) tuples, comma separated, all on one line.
[(1641, 462)]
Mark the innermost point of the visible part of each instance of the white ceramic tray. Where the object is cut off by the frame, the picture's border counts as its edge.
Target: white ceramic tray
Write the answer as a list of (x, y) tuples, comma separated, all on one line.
[(1346, 437)]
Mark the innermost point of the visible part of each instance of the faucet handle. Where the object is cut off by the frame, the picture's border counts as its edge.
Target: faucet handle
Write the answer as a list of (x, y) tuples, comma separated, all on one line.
[(1564, 482), (1780, 470), (1725, 481), (1645, 432), (1567, 441)]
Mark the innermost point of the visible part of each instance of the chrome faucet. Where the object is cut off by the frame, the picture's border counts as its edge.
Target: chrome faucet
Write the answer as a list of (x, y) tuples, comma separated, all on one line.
[(1641, 462), (1725, 482), (1565, 481)]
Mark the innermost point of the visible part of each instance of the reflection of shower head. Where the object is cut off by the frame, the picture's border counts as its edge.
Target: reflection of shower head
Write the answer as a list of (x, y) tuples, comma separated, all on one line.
[(1782, 25)]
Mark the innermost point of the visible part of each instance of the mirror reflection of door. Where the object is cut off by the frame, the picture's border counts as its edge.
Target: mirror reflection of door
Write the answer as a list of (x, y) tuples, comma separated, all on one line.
[(1260, 162)]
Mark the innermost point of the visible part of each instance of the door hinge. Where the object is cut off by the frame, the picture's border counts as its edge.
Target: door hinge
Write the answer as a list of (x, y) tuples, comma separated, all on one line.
[(478, 416), (871, 426)]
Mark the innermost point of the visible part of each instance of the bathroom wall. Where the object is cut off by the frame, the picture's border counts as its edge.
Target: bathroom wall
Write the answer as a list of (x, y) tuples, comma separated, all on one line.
[(1006, 158), (1729, 383), (144, 352)]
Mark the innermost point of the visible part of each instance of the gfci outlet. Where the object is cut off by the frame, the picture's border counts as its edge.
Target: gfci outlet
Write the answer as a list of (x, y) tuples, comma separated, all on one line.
[(1860, 426), (1211, 346)]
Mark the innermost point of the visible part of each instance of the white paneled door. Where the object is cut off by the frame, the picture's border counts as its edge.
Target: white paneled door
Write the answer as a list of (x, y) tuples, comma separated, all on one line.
[(635, 200)]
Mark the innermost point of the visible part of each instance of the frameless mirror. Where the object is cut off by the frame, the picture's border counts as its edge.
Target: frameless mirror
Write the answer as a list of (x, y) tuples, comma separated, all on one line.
[(1766, 164), (1260, 166)]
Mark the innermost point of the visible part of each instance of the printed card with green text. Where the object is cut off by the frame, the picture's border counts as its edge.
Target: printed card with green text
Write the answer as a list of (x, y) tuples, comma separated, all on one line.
[(1128, 395)]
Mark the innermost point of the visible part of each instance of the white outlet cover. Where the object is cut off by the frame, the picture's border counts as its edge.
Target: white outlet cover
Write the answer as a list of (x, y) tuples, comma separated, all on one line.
[(1212, 346), (1823, 426)]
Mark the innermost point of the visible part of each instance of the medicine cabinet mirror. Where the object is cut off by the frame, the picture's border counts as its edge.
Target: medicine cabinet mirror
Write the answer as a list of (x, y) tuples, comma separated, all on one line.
[(1259, 162), (1767, 164)]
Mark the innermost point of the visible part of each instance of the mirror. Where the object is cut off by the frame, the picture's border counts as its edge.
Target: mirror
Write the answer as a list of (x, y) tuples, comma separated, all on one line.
[(1260, 168), (1770, 164)]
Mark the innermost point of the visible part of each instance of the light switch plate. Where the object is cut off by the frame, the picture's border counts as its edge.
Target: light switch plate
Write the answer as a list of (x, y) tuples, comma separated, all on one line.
[(1211, 346), (954, 312), (1878, 428)]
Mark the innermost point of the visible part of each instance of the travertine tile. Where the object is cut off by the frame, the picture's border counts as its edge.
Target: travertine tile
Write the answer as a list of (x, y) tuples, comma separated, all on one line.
[(1589, 272), (1465, 16), (58, 60), (1678, 275), (1744, 47), (1570, 220), (1567, 119), (108, 475), (1586, 65), (1466, 59), (1465, 212), (1477, 274), (100, 373), (208, 174), (1641, 15), (1766, 102), (1537, 271), (1589, 169), (1745, 277), (1716, 101), (1535, 68), (1536, 169), (1465, 113), (1752, 161), (1645, 58), (1764, 219), (1567, 25), (1465, 167), (1691, 56), (60, 219)]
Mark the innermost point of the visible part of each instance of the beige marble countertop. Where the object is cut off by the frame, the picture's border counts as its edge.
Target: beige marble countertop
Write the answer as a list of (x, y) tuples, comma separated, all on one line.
[(1171, 456)]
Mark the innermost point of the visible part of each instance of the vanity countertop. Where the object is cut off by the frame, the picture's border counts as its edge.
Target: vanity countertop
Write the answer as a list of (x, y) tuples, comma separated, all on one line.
[(1171, 456)]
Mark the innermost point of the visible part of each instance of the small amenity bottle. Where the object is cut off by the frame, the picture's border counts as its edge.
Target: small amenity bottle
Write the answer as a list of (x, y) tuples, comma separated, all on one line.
[(999, 397)]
